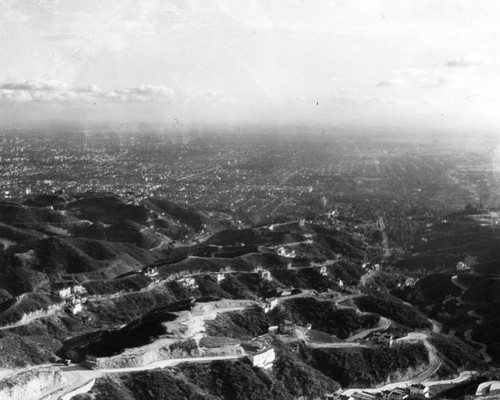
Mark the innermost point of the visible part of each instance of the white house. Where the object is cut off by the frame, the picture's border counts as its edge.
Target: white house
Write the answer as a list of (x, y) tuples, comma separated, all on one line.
[(187, 282), (78, 289), (64, 293), (461, 266), (265, 275), (220, 277), (263, 359), (150, 271), (284, 252), (269, 304)]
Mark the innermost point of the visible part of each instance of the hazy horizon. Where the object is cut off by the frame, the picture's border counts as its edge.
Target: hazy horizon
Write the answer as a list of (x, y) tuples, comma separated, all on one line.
[(182, 63)]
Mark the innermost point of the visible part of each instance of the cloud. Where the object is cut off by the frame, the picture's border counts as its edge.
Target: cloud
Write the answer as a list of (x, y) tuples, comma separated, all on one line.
[(56, 91), (142, 93), (467, 61), (416, 77), (392, 82)]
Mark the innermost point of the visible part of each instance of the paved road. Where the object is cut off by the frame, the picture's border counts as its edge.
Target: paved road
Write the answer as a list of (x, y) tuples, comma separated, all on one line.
[(483, 347), (434, 365), (456, 282), (26, 321), (339, 345), (77, 376), (383, 324)]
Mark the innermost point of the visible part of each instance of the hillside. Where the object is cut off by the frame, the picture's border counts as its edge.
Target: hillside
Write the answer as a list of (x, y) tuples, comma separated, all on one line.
[(112, 282)]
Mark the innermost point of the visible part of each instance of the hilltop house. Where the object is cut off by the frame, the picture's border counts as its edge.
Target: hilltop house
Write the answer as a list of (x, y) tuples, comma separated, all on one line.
[(187, 283), (76, 305), (461, 266), (150, 271), (269, 304), (488, 388), (263, 359), (395, 394), (286, 327), (68, 292), (64, 293), (263, 273), (363, 396), (286, 252), (419, 389), (219, 277), (286, 291)]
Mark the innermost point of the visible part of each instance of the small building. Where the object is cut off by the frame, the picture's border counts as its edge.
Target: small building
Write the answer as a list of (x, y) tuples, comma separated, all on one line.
[(323, 270), (263, 359), (488, 388), (461, 266), (419, 389), (269, 304), (286, 291), (187, 282), (365, 396), (410, 282), (339, 283), (78, 289), (64, 293), (219, 277), (76, 308), (395, 394), (286, 252), (150, 271), (286, 327), (265, 275)]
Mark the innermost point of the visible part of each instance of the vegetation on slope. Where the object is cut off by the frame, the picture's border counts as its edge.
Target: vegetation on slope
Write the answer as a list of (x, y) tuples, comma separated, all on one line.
[(393, 309)]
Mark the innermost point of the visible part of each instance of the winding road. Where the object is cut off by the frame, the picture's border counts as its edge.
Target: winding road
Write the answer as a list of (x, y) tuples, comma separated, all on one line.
[(77, 376)]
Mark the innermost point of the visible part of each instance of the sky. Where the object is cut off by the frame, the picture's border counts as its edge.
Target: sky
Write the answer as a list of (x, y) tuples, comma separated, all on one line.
[(402, 63)]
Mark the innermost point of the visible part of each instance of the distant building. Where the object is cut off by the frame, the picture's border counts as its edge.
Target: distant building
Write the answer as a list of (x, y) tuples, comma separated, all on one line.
[(286, 327), (265, 275), (220, 277), (461, 266), (263, 359), (150, 271), (488, 388), (269, 304), (286, 291), (76, 308), (187, 282), (364, 396), (64, 293), (68, 292), (396, 394), (419, 389), (323, 270), (285, 252), (78, 289)]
